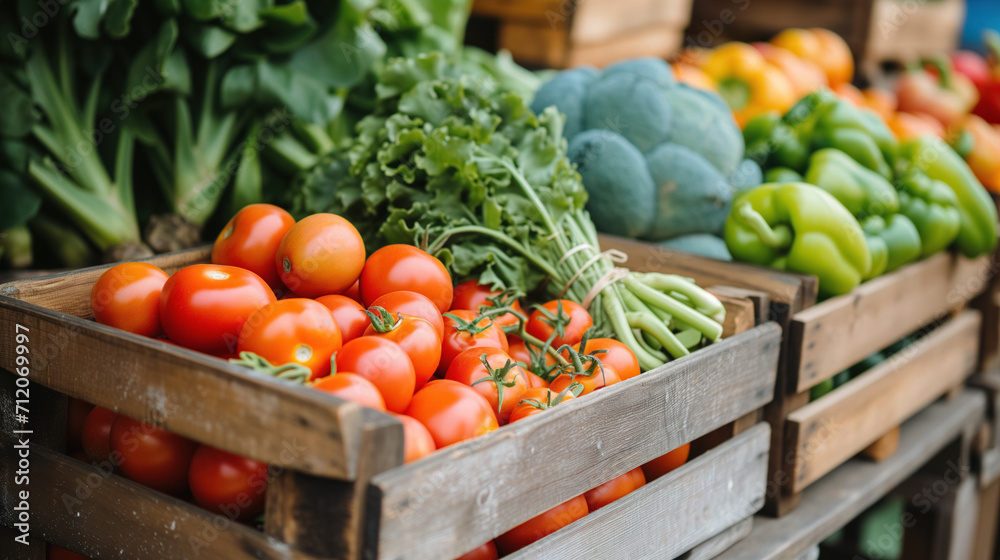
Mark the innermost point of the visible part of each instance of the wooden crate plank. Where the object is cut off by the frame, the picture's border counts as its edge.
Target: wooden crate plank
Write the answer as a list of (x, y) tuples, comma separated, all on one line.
[(659, 40), (853, 487), (739, 314), (828, 431), (102, 515), (985, 540), (535, 43), (671, 514), (188, 393), (838, 333), (555, 11), (597, 21), (962, 514), (449, 504), (761, 301), (719, 543)]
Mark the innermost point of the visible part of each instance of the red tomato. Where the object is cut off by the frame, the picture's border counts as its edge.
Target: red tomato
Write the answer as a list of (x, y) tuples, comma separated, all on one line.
[(293, 331), (535, 401), (468, 368), (666, 463), (351, 387), (540, 323), (384, 363), (614, 489), (471, 295), (76, 415), (452, 412), (417, 441), (416, 337), (519, 351), (97, 434), (618, 356), (250, 240), (542, 525), (152, 457), (53, 552), (590, 383), (354, 292), (348, 314), (322, 254), (401, 267), (203, 307), (455, 341), (486, 551), (412, 303), (127, 297), (228, 484), (536, 382)]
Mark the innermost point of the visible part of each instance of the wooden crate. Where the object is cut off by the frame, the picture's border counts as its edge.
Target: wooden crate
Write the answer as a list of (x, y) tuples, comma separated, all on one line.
[(811, 439), (339, 489), (567, 33)]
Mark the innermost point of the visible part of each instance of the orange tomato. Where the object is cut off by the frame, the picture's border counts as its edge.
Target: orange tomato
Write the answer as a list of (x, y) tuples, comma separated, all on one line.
[(452, 412), (322, 254), (666, 463), (251, 239), (614, 489), (127, 297), (601, 378), (293, 331), (537, 400), (417, 441), (616, 355), (542, 525), (351, 387), (417, 337), (348, 314), (486, 551), (384, 363), (394, 268), (503, 391), (412, 303)]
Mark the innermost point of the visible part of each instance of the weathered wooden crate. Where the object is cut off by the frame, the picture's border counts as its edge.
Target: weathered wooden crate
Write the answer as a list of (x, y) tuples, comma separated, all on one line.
[(566, 33), (338, 488), (811, 439)]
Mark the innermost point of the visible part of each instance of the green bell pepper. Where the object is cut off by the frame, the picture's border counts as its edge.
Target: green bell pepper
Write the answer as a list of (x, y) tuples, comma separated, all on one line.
[(932, 207), (879, 251), (900, 236), (801, 228), (862, 191), (977, 232), (783, 175), (856, 132)]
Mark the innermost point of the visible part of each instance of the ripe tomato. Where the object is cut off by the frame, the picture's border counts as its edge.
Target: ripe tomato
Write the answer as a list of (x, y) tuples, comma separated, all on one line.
[(153, 457), (293, 331), (542, 525), (536, 382), (384, 363), (250, 240), (452, 412), (401, 267), (411, 303), (351, 387), (618, 356), (503, 386), (322, 254), (666, 463), (76, 414), (540, 322), (228, 484), (471, 295), (415, 336), (519, 351), (537, 400), (203, 307), (486, 551), (53, 552), (417, 441), (590, 383), (614, 489), (455, 341), (354, 292), (348, 314), (127, 297), (97, 434)]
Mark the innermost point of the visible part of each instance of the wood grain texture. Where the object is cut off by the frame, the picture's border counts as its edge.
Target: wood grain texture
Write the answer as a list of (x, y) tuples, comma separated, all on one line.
[(660, 40), (532, 43), (853, 487), (839, 332), (599, 21), (761, 300), (448, 503), (719, 543), (672, 514), (830, 430), (884, 446), (102, 515), (740, 314), (189, 393)]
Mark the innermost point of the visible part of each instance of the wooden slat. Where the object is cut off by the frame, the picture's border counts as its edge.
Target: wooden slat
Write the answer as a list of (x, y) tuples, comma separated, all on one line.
[(828, 431), (535, 43), (69, 292), (853, 487), (761, 301), (842, 331), (101, 515), (448, 503), (188, 393), (719, 543), (661, 40), (987, 522), (670, 515), (598, 21), (739, 315), (962, 513)]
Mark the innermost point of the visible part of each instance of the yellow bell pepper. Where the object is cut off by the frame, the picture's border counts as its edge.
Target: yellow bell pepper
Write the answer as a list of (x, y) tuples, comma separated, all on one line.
[(749, 84), (823, 48)]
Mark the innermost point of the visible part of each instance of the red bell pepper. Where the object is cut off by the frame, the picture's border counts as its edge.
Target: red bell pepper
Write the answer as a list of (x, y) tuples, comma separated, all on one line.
[(989, 90), (933, 88)]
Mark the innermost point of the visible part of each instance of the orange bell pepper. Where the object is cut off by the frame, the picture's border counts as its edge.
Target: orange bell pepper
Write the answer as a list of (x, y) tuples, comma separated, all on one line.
[(822, 47), (984, 158), (692, 76), (749, 84), (941, 93), (881, 101), (910, 126), (805, 76), (850, 93)]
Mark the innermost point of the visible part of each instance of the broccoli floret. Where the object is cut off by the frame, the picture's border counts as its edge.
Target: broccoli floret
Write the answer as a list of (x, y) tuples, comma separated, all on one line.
[(705, 124), (649, 67), (704, 244), (615, 175), (567, 91), (631, 105), (746, 176), (692, 196)]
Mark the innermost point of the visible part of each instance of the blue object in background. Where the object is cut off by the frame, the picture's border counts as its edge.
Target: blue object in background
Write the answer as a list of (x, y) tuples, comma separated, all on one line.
[(981, 15)]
